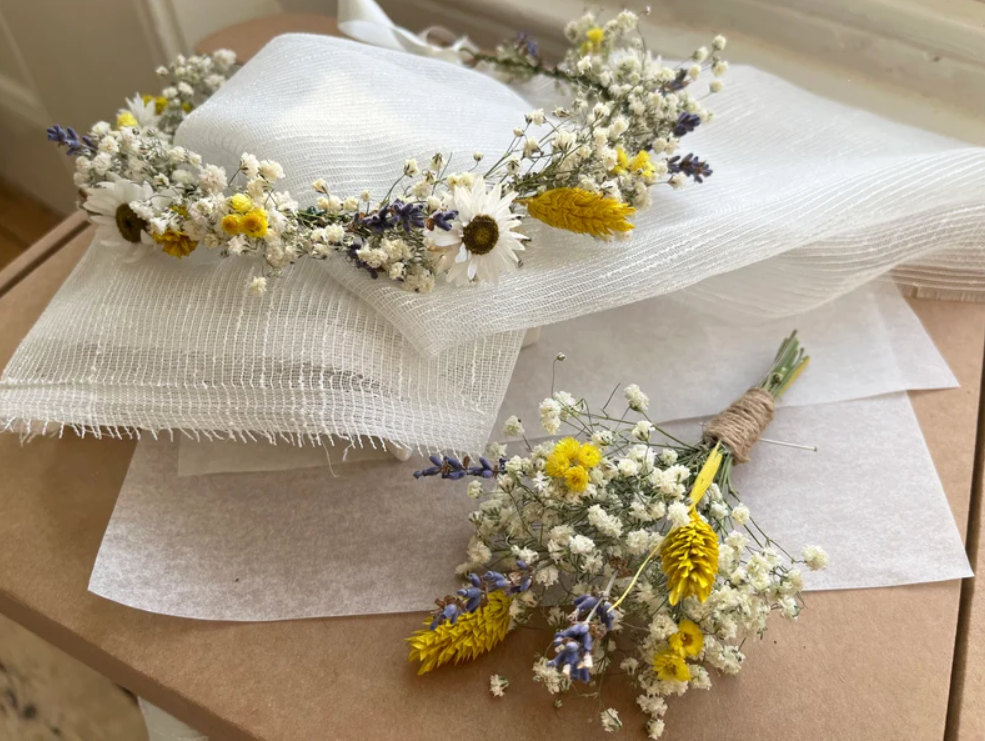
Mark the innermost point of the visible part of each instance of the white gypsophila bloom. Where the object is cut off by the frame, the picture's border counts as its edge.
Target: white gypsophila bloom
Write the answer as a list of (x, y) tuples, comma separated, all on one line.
[(249, 164), (512, 427), (117, 223), (628, 468), (481, 243), (718, 43), (700, 679), (652, 704), (668, 456), (550, 416), (258, 286), (629, 665), (604, 522), (638, 541), (212, 179), (655, 728), (662, 626), (547, 575), (109, 144), (602, 438), (642, 430), (527, 555), (815, 558), (719, 68), (495, 450), (679, 514), (719, 511), (740, 515), (639, 511), (144, 113), (271, 171), (551, 678), (581, 545), (610, 720), (478, 553), (475, 489), (351, 203), (498, 685), (716, 86), (565, 399), (638, 401), (789, 607)]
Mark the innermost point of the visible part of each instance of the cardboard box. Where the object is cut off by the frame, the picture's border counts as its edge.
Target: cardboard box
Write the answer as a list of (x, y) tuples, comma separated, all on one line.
[(860, 664)]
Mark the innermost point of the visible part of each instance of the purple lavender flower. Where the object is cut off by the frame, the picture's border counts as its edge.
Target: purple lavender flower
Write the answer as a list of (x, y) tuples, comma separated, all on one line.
[(690, 166), (686, 123), (378, 221), (679, 82), (67, 137), (586, 603), (527, 44), (409, 215), (473, 595), (449, 612), (440, 219), (574, 646), (452, 468)]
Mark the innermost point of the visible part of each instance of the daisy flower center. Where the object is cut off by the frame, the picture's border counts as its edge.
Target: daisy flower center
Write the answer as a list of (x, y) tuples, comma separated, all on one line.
[(481, 235), (129, 224)]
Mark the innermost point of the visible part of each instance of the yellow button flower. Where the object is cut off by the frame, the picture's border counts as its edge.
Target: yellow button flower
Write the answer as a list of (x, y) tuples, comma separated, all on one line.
[(176, 244), (589, 456), (254, 223), (240, 202), (568, 447), (557, 465), (688, 640), (576, 478), (669, 666), (641, 163), (232, 224)]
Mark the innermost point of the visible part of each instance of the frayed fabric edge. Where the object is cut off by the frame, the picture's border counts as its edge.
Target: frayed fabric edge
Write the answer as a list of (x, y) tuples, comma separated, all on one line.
[(29, 430)]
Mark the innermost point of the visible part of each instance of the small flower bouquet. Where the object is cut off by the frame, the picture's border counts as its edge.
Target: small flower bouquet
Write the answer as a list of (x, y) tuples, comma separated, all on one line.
[(637, 541)]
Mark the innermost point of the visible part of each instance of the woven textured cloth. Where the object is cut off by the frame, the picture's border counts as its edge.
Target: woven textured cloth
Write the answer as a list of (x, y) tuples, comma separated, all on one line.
[(809, 199)]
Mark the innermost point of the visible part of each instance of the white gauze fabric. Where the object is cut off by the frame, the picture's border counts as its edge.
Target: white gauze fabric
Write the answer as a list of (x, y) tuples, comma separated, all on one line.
[(811, 197), (163, 344), (818, 196)]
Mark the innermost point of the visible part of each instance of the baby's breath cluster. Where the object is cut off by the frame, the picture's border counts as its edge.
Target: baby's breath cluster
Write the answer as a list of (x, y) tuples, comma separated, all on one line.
[(635, 542), (584, 167)]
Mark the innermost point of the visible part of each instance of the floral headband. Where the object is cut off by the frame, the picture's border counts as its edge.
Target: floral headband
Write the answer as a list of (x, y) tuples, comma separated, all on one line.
[(585, 168)]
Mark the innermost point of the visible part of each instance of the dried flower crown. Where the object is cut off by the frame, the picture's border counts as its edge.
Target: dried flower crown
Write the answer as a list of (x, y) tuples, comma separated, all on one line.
[(591, 170)]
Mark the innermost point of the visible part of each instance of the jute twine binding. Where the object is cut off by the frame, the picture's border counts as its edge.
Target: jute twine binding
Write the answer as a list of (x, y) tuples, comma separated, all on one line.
[(740, 426)]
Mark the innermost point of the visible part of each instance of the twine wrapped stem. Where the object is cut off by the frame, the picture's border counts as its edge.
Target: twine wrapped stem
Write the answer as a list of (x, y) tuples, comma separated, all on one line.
[(741, 425)]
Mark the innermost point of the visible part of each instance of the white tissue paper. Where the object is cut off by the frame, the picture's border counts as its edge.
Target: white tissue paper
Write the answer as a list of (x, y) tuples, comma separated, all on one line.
[(372, 539)]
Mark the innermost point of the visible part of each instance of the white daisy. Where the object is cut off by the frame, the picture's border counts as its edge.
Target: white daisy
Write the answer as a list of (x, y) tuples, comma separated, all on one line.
[(117, 224), (145, 113), (481, 243)]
